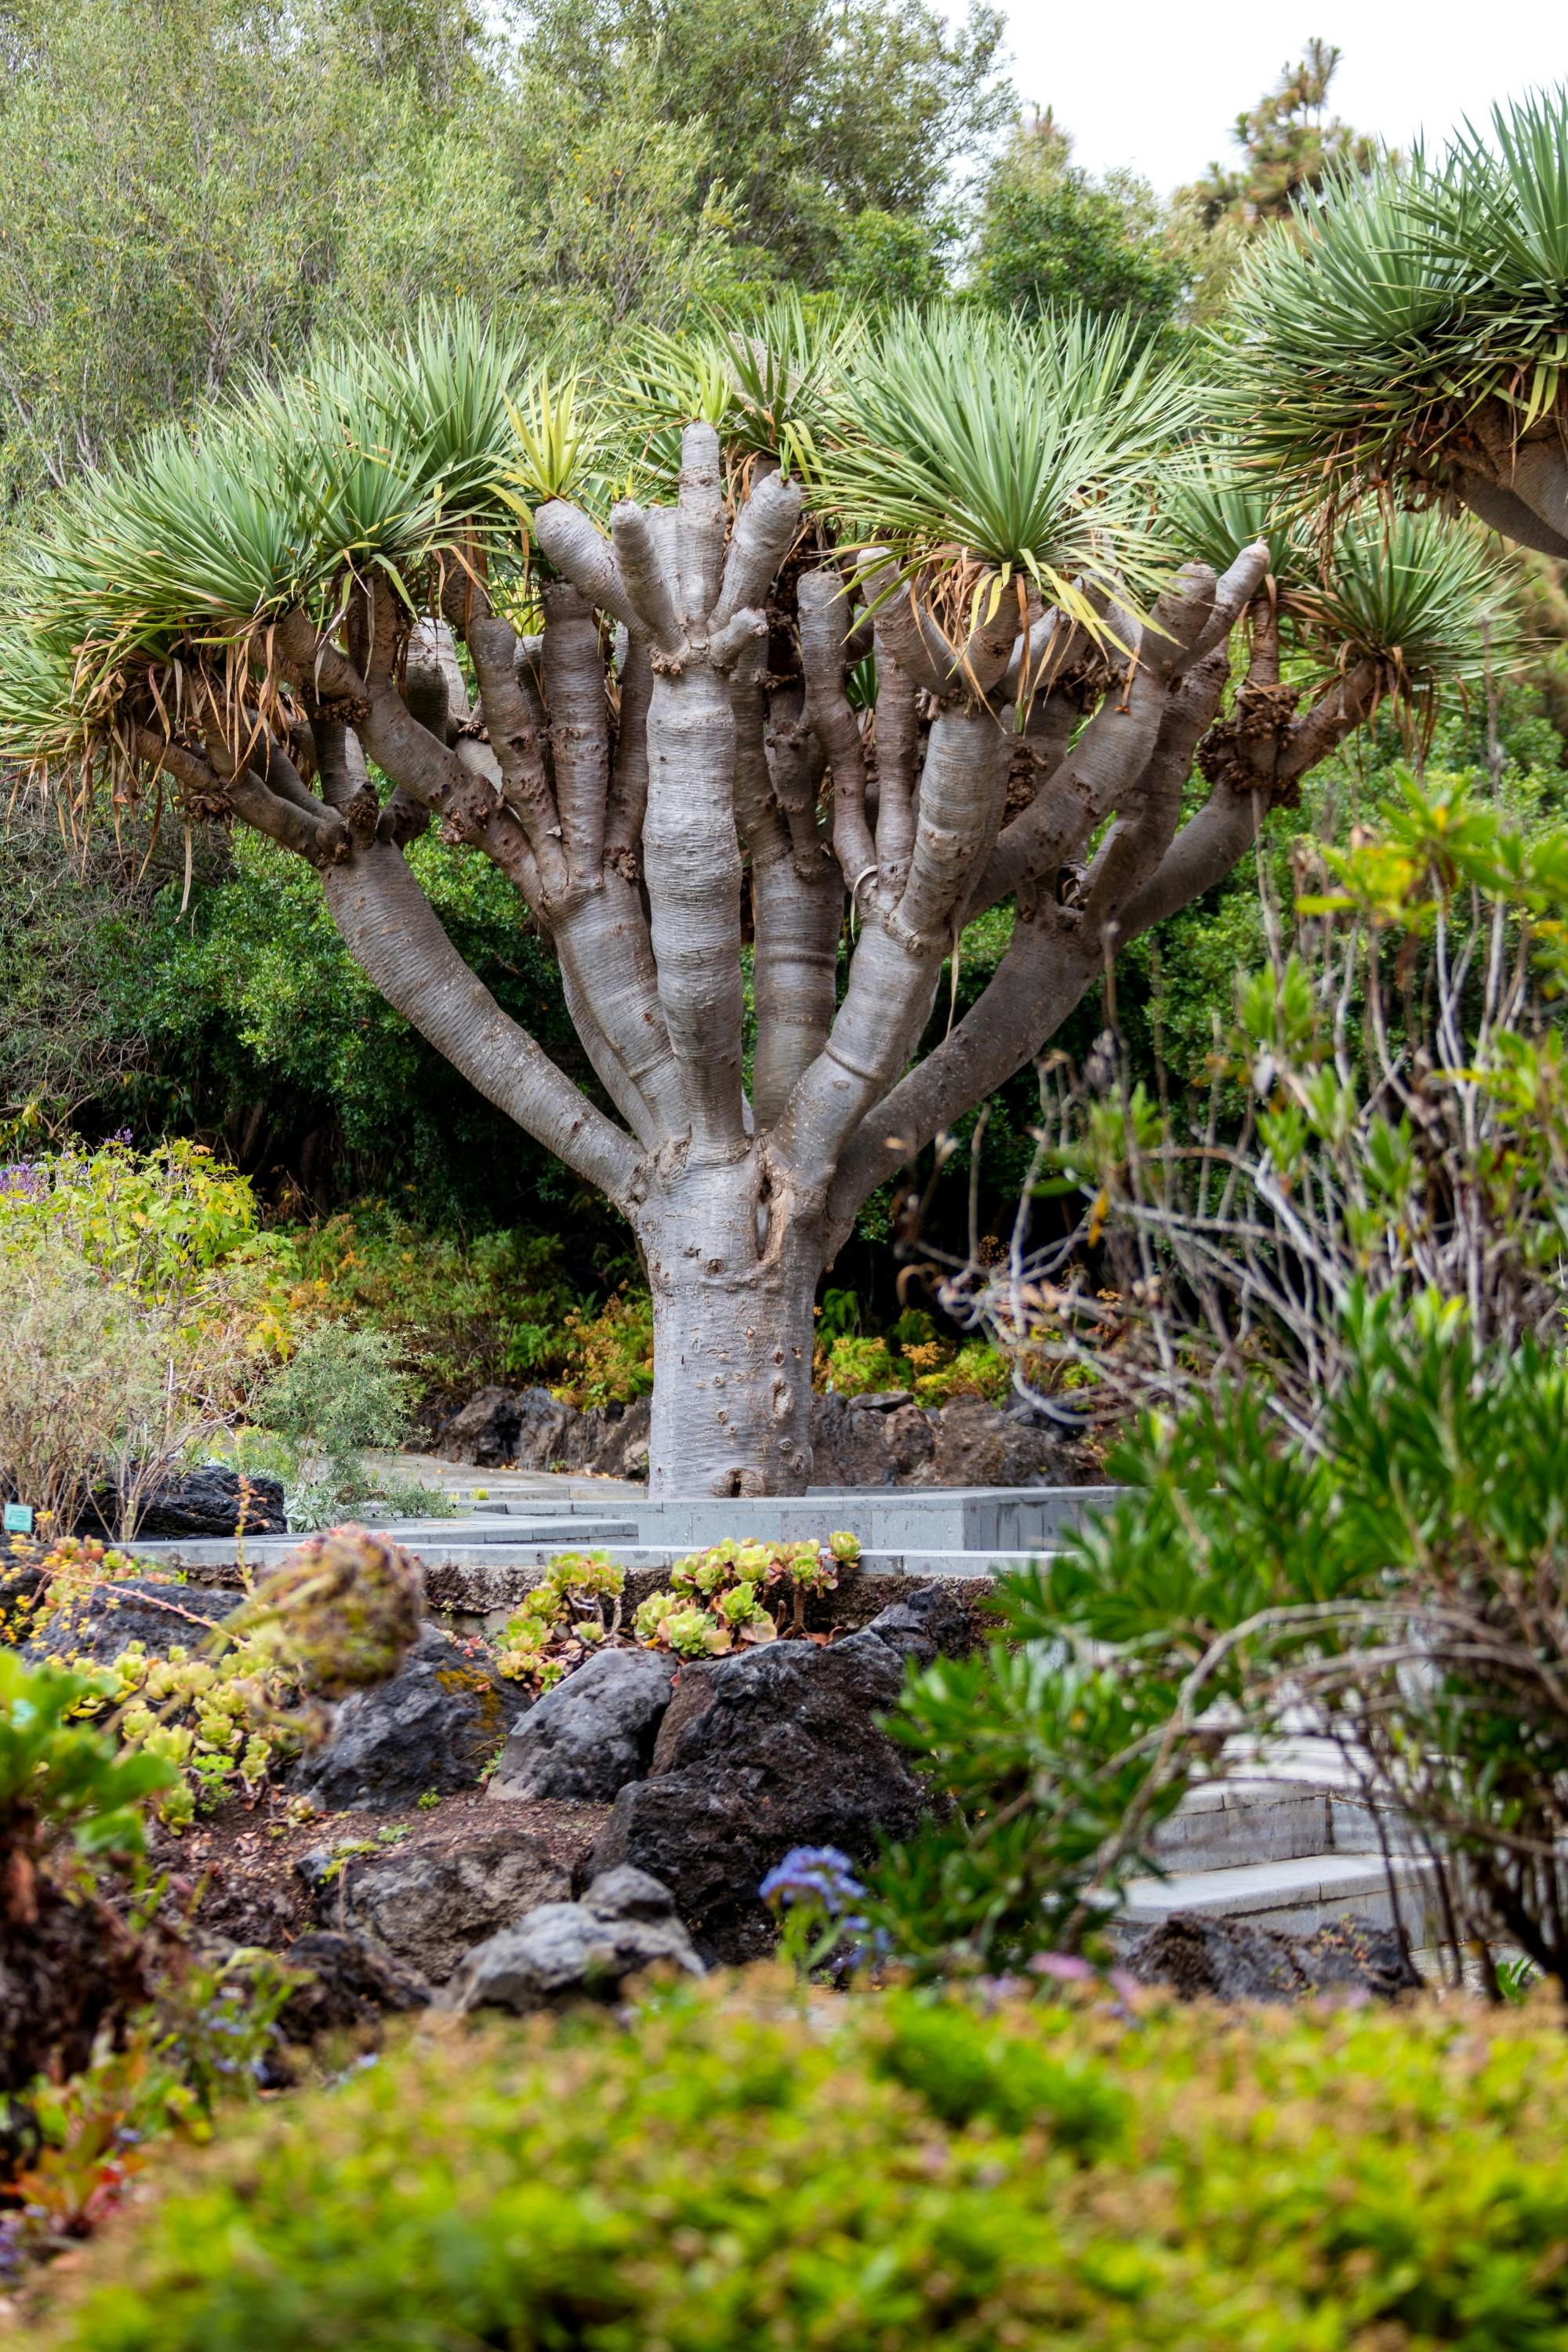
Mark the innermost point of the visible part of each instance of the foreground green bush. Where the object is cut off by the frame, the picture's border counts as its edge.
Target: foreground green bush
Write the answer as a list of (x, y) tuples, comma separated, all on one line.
[(737, 2170)]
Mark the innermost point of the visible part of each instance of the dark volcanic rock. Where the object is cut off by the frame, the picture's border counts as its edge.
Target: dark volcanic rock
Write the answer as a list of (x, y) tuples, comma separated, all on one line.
[(352, 1984), (611, 1439), (208, 1502), (932, 1623), (568, 1951), (436, 1725), (1231, 1959), (772, 1749), (592, 1733), (485, 1432), (430, 1907), (856, 1443), (97, 1624), (530, 1429), (981, 1444)]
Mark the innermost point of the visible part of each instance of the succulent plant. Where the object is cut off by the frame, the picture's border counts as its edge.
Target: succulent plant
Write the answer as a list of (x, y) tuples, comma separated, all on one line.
[(561, 1619), (726, 1585), (341, 1612)]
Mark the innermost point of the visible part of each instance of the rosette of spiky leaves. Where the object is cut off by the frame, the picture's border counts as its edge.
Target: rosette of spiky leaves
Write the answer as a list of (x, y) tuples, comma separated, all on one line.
[(1424, 597), (1504, 217), (1337, 317), (562, 444), (1367, 331), (989, 451), (1212, 511), (151, 585), (763, 381)]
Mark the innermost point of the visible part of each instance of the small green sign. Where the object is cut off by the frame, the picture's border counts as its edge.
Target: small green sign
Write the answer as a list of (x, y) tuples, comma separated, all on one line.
[(18, 1518)]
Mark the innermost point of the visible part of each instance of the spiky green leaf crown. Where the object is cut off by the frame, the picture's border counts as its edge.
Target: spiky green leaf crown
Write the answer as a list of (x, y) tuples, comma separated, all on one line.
[(372, 459), (1424, 597), (1057, 457), (1367, 331)]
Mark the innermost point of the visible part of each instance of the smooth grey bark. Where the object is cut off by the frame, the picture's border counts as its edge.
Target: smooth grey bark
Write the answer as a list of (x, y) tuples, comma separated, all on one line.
[(679, 749)]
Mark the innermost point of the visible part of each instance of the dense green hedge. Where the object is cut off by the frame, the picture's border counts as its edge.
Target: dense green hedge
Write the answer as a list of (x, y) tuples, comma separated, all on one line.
[(739, 2170)]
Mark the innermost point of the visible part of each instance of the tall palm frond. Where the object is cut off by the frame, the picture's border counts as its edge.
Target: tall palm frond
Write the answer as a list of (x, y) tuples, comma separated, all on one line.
[(761, 381), (154, 570), (1213, 509), (1426, 598)]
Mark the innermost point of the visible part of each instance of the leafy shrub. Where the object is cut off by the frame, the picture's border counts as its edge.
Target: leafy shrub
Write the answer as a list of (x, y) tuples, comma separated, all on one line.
[(1394, 1583), (340, 1393), (81, 1389), (610, 1354), (717, 1596), (858, 1365), (911, 1355), (60, 1779), (140, 1302), (1402, 1058), (1048, 1754), (206, 2037), (217, 1713), (465, 1311), (976, 1369), (734, 2171), (71, 1802)]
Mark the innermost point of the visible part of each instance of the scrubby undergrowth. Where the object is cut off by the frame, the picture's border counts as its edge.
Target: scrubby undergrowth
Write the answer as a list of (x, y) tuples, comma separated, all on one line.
[(740, 2167)]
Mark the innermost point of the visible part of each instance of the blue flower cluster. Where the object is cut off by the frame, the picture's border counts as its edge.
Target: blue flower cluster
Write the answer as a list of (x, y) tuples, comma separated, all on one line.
[(820, 1875)]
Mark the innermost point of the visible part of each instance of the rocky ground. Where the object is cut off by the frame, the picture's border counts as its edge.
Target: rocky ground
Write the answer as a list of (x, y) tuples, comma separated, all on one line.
[(455, 1841), (882, 1440)]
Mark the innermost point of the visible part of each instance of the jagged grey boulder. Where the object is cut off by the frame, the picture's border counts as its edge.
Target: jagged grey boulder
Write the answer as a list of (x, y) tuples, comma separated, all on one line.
[(927, 1625), (436, 1725), (771, 1748), (430, 1907), (592, 1734), (563, 1952), (352, 1984), (1207, 1958)]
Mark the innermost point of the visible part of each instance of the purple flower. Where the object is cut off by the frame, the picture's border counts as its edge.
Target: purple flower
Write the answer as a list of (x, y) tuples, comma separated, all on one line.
[(1063, 1966), (819, 1875), (26, 1178)]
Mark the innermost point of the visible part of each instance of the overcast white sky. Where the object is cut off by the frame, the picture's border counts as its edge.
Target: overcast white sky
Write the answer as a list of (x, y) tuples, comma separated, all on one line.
[(1157, 84)]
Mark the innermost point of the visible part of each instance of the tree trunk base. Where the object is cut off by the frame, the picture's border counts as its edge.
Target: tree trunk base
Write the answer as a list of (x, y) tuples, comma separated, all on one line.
[(732, 1343)]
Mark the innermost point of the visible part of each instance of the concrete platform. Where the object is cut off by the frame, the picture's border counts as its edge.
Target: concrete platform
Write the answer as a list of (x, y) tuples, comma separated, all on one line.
[(932, 1531), (1296, 1896)]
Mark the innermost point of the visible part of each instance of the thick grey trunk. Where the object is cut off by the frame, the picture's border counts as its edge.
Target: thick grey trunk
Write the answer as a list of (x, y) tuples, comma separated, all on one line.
[(732, 1296)]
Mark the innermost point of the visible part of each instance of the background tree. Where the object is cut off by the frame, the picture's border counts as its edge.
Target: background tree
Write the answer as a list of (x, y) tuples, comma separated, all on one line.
[(818, 110), (316, 168), (251, 618), (1291, 145), (1049, 235)]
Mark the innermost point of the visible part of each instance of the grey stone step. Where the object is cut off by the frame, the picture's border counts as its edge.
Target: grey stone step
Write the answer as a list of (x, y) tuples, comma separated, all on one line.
[(1297, 1895), (1260, 1818)]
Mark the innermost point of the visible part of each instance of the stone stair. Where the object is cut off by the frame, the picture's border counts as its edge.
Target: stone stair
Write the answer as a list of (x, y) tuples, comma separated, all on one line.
[(1294, 1849)]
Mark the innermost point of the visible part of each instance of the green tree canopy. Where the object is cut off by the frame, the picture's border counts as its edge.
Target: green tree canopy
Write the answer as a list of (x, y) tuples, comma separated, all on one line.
[(1049, 235), (818, 110), (1289, 142), (291, 172)]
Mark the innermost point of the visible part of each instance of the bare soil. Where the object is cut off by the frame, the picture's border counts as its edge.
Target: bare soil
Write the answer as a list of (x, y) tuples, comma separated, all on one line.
[(234, 1873)]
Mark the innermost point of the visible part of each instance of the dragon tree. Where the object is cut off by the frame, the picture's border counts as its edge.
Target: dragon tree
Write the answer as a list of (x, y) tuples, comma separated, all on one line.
[(789, 653)]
